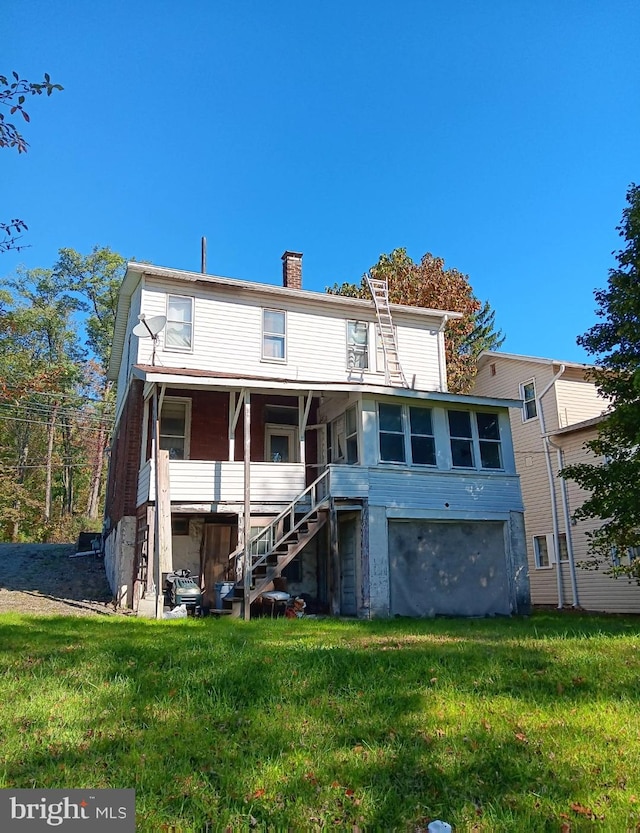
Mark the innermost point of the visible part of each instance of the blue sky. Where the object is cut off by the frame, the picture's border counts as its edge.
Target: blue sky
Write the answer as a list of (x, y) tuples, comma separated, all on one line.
[(500, 135)]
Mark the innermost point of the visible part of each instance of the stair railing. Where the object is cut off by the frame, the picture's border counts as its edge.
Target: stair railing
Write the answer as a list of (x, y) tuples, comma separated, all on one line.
[(264, 542)]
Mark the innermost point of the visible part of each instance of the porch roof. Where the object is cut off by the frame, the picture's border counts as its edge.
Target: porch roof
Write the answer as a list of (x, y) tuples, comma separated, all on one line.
[(216, 379)]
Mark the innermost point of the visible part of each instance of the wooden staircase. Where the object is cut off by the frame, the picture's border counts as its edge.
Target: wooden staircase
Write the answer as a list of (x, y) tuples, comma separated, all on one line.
[(393, 372), (277, 544)]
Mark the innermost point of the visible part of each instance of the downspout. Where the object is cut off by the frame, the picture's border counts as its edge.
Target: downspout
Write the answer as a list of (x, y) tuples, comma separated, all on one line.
[(552, 490), (567, 523), (442, 353)]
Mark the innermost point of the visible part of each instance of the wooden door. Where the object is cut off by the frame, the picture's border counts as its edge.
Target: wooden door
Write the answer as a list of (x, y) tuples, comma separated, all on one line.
[(218, 540)]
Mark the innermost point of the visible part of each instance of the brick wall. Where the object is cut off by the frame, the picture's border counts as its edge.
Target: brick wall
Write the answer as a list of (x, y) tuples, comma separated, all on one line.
[(125, 458)]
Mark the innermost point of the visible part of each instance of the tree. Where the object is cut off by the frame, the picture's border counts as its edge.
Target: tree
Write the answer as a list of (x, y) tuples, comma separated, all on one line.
[(56, 406), (614, 482), (429, 284), (13, 95), (97, 278)]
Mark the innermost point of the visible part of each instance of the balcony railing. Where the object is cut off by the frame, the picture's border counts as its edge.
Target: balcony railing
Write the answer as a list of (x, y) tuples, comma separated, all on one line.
[(208, 481)]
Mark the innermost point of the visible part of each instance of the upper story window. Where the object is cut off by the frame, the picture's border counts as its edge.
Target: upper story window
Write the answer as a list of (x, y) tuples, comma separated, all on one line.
[(357, 345), (528, 396), (475, 436), (179, 329), (274, 335), (175, 421), (406, 435)]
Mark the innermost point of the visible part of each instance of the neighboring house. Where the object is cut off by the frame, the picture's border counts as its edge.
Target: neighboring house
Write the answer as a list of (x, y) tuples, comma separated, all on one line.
[(561, 412), (290, 433)]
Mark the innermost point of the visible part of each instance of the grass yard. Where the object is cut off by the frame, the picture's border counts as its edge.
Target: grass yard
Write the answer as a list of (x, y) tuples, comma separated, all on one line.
[(492, 725)]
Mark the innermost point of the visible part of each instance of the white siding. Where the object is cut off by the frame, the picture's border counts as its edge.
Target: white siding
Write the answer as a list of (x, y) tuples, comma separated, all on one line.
[(130, 354), (201, 481), (228, 330)]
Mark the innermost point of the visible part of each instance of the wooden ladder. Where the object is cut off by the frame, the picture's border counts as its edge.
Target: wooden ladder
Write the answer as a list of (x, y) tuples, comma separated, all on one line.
[(393, 373)]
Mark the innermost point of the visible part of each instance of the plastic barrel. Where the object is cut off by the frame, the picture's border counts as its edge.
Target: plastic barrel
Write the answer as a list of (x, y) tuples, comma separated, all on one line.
[(222, 590)]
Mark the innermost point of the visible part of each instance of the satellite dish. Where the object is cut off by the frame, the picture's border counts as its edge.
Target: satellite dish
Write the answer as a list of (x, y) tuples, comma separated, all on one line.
[(149, 327)]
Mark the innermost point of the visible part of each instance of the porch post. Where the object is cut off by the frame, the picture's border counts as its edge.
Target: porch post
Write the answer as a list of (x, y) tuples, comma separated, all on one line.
[(160, 529), (334, 561), (247, 506)]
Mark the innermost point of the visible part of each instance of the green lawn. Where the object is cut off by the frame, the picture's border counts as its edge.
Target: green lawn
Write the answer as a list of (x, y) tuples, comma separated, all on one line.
[(492, 725)]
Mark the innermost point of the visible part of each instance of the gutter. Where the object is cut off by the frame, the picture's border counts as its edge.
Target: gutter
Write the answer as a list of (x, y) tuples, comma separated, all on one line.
[(552, 490)]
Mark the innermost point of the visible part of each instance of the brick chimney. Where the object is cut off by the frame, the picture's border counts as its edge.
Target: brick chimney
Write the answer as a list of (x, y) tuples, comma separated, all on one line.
[(292, 270)]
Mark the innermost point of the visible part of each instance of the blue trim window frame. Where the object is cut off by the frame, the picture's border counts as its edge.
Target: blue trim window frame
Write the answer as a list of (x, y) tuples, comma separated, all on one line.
[(274, 335), (405, 435), (475, 440)]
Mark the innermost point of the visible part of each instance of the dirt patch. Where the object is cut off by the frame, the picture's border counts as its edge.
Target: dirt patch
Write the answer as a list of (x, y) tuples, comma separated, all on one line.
[(41, 578)]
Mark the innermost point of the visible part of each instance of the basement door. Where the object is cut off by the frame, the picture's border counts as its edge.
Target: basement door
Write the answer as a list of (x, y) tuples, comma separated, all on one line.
[(348, 544), (440, 568)]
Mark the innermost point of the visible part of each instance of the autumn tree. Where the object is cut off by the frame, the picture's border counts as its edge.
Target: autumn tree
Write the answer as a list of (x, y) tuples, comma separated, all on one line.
[(614, 482), (13, 95), (429, 284)]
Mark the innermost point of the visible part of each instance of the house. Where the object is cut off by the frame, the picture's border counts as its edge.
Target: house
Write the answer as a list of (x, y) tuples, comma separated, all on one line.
[(288, 434), (561, 412)]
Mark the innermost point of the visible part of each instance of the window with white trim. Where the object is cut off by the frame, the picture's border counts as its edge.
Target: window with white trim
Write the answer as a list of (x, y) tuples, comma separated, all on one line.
[(274, 335), (351, 434), (175, 420), (541, 551), (357, 345), (528, 396), (475, 436), (179, 329), (343, 437)]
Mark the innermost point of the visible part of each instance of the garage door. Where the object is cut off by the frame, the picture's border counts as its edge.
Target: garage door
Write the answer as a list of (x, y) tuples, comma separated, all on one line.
[(451, 569)]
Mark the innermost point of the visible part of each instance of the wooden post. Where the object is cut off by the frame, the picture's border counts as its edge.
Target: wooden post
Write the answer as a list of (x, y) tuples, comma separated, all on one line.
[(247, 507), (162, 521), (334, 558), (163, 506)]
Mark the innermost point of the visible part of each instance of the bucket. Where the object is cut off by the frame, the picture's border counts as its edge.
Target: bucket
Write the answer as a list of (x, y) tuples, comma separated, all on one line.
[(223, 589)]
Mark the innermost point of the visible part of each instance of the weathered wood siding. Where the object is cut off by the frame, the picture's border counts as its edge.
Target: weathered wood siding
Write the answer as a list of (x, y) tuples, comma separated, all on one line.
[(441, 494), (227, 332)]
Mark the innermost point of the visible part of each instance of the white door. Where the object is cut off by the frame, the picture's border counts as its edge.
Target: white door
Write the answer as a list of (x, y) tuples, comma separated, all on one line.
[(281, 444)]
